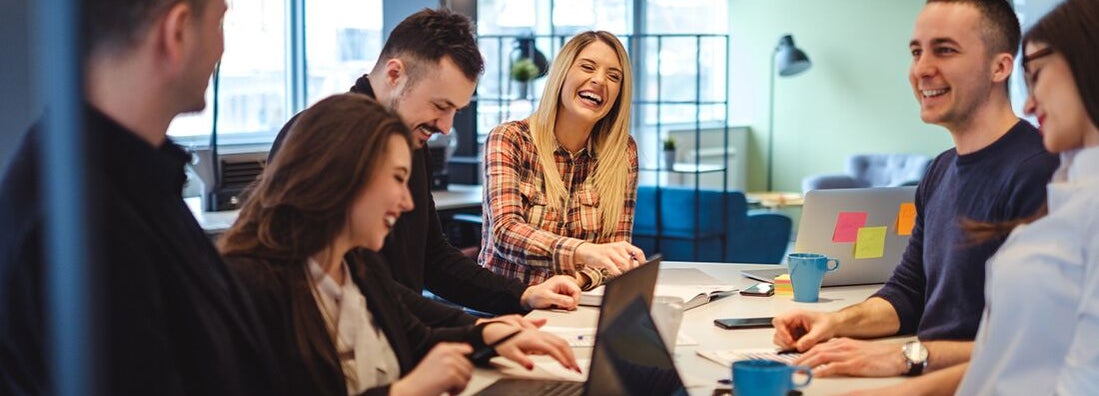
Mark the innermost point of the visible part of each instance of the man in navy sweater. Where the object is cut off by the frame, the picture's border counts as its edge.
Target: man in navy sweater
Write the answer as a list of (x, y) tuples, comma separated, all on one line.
[(962, 55)]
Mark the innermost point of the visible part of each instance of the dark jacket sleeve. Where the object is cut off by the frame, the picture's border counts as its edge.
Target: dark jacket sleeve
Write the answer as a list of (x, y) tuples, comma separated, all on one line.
[(22, 325), (399, 324), (906, 288), (430, 312), (452, 275)]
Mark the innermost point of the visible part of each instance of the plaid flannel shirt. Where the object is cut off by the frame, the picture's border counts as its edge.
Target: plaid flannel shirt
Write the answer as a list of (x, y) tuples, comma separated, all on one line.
[(523, 237)]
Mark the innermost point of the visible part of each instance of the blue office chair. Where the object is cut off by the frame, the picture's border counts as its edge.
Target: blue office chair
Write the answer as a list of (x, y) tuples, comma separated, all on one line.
[(751, 236)]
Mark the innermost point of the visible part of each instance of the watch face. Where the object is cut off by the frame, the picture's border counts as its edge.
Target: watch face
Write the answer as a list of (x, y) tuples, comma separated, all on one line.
[(915, 352)]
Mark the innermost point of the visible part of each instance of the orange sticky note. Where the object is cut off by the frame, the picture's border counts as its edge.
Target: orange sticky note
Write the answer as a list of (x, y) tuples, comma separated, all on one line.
[(906, 218), (847, 226), (871, 242)]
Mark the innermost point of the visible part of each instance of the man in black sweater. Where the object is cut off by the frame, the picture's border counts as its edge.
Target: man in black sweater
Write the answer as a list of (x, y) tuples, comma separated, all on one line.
[(427, 71), (962, 55), (172, 320)]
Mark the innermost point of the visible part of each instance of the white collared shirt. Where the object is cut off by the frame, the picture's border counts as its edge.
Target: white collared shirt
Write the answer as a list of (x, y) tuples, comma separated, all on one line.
[(1040, 330), (364, 352)]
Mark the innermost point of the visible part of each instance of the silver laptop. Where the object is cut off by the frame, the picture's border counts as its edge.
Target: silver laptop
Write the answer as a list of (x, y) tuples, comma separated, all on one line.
[(818, 222)]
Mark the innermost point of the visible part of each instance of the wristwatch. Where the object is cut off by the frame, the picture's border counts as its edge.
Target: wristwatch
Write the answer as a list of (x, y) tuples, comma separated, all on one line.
[(915, 355)]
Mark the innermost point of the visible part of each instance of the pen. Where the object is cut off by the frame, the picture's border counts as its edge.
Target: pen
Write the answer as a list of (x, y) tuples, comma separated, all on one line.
[(482, 355), (787, 351)]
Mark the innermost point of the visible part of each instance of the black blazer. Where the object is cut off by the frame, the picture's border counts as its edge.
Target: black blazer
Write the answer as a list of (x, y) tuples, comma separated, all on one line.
[(273, 284)]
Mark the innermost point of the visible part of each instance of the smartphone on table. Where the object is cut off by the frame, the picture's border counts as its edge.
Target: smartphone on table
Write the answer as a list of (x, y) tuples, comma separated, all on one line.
[(761, 289), (742, 323)]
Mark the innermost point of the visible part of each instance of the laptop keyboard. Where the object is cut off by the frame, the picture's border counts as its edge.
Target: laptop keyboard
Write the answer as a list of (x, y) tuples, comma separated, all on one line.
[(531, 387), (560, 388)]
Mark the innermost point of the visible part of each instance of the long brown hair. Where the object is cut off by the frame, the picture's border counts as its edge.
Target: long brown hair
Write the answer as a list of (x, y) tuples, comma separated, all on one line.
[(300, 204), (610, 136), (301, 200), (1071, 30)]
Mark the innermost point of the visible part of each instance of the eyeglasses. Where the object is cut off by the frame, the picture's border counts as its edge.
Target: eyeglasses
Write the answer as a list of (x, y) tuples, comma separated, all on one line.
[(1029, 75)]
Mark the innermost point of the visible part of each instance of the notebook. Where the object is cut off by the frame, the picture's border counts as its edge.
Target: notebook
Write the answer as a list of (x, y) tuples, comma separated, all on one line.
[(830, 223), (629, 357), (690, 284)]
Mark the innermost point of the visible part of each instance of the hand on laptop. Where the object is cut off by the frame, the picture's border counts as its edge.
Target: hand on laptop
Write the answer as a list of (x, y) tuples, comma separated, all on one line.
[(529, 342), (856, 358), (444, 369), (615, 257), (559, 291), (800, 329)]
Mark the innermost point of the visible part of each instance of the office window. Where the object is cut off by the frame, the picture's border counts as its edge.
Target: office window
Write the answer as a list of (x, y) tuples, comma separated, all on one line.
[(252, 89), (342, 41), (684, 65), (686, 72)]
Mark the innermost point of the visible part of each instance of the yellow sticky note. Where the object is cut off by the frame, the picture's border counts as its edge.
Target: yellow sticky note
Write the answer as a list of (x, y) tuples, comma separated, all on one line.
[(906, 218), (870, 242)]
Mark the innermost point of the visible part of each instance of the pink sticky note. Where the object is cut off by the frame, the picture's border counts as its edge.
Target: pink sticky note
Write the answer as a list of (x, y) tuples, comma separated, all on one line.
[(847, 226)]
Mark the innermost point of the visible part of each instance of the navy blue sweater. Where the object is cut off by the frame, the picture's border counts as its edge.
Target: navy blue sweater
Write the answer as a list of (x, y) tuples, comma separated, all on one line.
[(938, 288)]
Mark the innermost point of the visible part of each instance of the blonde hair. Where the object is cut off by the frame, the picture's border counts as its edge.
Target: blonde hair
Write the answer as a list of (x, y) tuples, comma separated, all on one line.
[(610, 136)]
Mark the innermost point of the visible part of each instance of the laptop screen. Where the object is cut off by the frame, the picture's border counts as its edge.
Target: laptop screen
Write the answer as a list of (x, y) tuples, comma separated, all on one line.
[(629, 357)]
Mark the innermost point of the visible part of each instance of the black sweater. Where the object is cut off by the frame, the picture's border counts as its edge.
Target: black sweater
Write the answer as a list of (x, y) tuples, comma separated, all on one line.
[(420, 256), (271, 285), (172, 319)]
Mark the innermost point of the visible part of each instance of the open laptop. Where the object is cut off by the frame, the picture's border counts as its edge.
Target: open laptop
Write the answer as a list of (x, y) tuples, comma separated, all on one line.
[(819, 216), (629, 356)]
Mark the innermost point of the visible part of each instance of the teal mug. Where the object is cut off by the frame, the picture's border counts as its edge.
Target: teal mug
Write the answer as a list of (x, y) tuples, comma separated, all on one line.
[(806, 274), (766, 378)]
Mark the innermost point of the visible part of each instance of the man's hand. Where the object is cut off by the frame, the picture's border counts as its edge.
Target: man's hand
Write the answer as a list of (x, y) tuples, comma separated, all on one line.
[(845, 356), (559, 291), (615, 257), (800, 329), (514, 320)]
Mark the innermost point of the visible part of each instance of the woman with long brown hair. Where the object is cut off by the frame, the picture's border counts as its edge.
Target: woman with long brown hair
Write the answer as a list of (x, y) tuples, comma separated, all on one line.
[(304, 247), (561, 185), (1041, 317)]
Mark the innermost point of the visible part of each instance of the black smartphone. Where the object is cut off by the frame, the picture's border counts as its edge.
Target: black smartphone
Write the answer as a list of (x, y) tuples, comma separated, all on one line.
[(761, 289), (742, 323)]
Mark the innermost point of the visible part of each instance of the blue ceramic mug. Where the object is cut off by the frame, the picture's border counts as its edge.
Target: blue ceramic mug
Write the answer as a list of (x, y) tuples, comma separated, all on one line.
[(806, 274), (767, 378)]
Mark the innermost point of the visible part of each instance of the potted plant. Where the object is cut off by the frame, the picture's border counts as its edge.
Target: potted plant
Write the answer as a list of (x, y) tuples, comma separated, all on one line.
[(524, 71), (669, 151)]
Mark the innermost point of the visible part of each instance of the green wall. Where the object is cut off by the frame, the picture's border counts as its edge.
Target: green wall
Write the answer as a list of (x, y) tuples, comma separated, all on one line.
[(855, 98)]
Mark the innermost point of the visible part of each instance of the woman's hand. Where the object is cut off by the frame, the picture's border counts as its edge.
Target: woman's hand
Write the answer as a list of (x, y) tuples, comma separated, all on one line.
[(529, 342), (615, 257), (445, 369)]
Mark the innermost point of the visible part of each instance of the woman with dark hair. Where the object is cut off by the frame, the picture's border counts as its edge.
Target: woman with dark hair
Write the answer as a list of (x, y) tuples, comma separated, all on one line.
[(1040, 330), (304, 247)]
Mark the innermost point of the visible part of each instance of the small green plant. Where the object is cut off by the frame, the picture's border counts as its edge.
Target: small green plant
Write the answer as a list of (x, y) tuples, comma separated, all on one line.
[(669, 143), (524, 70)]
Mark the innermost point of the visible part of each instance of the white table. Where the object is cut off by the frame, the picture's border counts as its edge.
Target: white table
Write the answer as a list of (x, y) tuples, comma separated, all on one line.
[(698, 324)]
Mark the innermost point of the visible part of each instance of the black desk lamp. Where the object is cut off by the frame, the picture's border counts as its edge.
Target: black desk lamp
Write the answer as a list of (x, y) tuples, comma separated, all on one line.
[(787, 61)]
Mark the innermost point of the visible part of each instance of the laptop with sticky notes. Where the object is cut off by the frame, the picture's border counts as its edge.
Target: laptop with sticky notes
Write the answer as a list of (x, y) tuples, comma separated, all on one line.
[(867, 229)]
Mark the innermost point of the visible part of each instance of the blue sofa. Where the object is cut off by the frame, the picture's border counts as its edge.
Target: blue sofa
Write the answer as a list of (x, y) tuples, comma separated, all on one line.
[(756, 236)]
